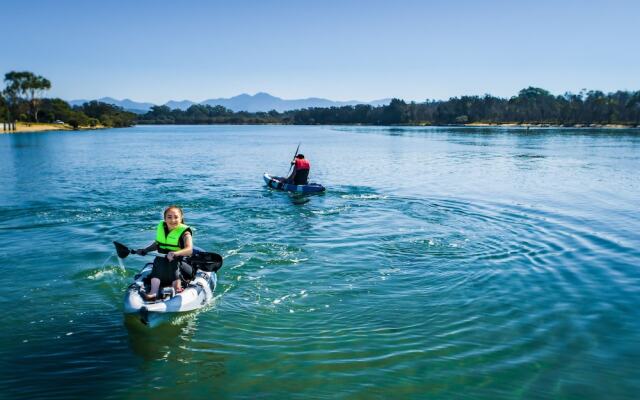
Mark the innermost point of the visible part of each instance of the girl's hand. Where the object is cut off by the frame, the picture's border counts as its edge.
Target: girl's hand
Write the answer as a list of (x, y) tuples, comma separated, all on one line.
[(171, 255)]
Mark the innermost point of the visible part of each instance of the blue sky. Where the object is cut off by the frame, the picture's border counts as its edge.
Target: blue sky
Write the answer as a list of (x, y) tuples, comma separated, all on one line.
[(342, 50)]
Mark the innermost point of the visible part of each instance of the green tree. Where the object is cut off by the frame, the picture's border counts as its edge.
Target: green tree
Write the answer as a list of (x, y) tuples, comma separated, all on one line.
[(107, 114), (12, 101), (27, 87), (4, 111), (397, 112), (55, 109)]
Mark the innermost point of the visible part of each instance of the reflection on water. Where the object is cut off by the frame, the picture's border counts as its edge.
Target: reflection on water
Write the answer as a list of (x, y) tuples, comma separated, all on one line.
[(153, 342)]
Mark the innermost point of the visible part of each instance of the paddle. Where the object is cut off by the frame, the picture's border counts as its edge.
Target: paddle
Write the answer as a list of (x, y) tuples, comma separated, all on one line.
[(203, 260), (123, 251), (294, 158), (206, 261)]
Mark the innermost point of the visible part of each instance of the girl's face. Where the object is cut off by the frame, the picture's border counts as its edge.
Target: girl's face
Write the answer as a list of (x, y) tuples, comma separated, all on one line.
[(173, 218)]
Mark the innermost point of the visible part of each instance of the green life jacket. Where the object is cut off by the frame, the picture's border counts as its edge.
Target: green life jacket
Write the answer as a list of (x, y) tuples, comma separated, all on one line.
[(170, 242)]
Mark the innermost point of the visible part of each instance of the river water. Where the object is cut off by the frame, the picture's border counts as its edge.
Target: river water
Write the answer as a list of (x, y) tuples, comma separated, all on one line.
[(441, 263)]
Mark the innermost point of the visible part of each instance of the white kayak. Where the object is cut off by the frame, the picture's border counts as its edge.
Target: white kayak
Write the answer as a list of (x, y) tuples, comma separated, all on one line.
[(197, 292)]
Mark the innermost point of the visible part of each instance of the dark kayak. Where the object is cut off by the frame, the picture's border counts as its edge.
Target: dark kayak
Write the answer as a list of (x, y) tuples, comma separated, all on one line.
[(276, 182)]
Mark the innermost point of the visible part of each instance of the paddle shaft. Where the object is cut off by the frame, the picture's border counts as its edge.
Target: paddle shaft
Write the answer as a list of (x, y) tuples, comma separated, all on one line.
[(294, 157), (124, 251), (203, 258), (154, 253)]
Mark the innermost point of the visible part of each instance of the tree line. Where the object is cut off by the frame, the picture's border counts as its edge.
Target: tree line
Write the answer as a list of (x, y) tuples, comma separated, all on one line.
[(531, 106), (22, 100), (199, 114)]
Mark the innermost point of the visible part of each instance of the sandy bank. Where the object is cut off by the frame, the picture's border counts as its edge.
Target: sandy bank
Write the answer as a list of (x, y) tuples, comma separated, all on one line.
[(23, 127)]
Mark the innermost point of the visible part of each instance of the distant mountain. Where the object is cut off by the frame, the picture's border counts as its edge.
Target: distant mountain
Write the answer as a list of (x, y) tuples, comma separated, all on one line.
[(266, 102), (244, 102), (127, 104), (381, 102), (182, 105)]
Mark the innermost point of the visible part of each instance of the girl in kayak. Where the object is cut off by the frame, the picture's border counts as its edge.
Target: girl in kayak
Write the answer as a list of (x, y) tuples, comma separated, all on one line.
[(174, 239)]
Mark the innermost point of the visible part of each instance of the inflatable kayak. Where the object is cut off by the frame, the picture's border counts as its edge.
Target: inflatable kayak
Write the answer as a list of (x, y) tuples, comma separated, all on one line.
[(276, 182), (197, 292)]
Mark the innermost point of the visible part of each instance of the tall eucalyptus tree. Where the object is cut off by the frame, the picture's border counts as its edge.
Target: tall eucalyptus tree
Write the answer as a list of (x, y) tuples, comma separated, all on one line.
[(27, 87)]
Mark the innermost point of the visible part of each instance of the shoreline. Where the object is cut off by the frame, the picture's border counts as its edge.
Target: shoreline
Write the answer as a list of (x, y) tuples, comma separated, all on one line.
[(23, 127), (33, 127), (535, 125)]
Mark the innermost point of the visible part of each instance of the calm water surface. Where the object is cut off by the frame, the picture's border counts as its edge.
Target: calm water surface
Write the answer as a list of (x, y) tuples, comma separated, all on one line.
[(441, 263)]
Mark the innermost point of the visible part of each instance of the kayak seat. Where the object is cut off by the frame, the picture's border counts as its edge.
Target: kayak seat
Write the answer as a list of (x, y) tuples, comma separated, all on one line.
[(187, 274)]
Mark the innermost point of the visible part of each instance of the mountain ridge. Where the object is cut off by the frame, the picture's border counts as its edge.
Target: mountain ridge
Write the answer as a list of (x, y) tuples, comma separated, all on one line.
[(259, 102)]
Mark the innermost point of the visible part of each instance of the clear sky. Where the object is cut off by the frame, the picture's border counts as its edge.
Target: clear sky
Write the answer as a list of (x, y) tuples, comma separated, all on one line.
[(159, 50)]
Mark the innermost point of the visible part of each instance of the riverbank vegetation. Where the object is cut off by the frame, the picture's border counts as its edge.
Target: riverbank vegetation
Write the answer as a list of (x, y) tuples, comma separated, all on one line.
[(22, 101), (531, 106)]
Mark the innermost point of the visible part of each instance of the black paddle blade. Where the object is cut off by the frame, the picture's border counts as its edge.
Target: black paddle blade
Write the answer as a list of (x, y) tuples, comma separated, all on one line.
[(205, 261), (122, 250)]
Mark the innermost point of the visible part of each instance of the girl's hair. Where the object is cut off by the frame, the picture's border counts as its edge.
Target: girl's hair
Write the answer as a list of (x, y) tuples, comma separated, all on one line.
[(164, 214)]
